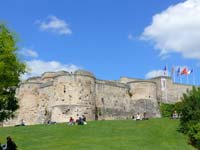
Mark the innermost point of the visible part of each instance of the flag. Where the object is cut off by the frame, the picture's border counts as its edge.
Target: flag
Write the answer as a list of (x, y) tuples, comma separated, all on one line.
[(184, 71), (165, 69), (190, 71), (178, 71)]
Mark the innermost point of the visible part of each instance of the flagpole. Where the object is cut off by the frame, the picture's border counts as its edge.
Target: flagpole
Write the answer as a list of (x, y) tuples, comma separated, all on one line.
[(177, 92), (187, 79), (174, 76), (193, 78), (166, 70), (181, 79), (166, 93), (179, 74)]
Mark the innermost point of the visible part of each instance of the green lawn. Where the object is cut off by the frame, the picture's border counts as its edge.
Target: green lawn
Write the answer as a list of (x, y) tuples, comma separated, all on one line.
[(154, 134)]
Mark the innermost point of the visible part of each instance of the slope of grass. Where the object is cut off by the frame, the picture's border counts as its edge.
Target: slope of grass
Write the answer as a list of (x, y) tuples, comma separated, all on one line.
[(154, 134)]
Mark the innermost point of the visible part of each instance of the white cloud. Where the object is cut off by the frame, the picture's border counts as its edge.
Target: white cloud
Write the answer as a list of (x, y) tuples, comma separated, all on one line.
[(177, 29), (155, 73), (28, 52), (55, 25), (37, 67)]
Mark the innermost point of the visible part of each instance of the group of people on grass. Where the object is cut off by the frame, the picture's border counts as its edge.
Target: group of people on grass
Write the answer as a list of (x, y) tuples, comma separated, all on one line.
[(80, 121), (140, 116), (10, 144)]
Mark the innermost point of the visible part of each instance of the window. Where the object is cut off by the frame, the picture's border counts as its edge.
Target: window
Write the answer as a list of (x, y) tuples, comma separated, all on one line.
[(163, 84), (64, 89), (102, 100)]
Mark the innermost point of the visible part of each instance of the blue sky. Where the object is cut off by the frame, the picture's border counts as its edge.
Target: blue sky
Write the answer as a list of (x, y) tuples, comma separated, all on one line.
[(109, 38)]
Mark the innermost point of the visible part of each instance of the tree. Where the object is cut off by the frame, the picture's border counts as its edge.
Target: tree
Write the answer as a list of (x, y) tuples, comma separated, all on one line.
[(190, 109), (190, 116), (166, 109), (10, 70)]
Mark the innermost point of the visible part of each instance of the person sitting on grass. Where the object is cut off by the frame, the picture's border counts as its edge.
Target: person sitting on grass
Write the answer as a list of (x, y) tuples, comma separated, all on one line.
[(80, 121), (71, 121), (175, 115), (21, 124), (11, 144), (138, 116), (84, 120), (145, 116), (51, 122)]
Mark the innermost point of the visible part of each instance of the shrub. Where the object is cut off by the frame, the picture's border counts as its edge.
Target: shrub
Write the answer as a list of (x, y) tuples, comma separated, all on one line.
[(190, 115), (194, 135), (177, 107), (190, 109), (166, 109)]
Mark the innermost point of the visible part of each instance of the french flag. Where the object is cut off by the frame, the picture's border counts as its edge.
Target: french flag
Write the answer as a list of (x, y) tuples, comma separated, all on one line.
[(190, 71), (178, 71), (184, 71)]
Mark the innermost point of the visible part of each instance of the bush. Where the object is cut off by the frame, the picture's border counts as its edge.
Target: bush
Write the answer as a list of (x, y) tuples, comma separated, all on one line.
[(177, 107), (167, 109), (194, 135), (190, 115), (190, 109)]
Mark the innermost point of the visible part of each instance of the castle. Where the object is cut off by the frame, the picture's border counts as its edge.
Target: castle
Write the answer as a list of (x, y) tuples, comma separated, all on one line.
[(56, 96)]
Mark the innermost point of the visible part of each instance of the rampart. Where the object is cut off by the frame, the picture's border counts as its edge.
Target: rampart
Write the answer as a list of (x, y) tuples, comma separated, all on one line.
[(56, 96)]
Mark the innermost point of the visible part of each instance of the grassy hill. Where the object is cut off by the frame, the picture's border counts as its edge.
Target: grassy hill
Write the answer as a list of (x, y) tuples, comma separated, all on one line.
[(154, 134)]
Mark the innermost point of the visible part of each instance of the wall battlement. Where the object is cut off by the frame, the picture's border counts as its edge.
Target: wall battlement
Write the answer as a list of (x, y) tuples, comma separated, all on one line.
[(56, 96), (112, 83)]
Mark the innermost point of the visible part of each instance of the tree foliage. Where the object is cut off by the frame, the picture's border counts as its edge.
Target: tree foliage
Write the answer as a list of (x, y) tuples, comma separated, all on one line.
[(194, 135), (166, 109), (190, 115), (190, 111), (10, 70)]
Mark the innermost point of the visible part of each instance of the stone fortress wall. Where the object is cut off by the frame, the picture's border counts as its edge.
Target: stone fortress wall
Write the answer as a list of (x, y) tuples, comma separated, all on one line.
[(56, 96)]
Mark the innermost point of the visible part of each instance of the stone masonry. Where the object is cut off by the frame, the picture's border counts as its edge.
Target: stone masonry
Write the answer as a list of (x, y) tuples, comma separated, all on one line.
[(56, 96)]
